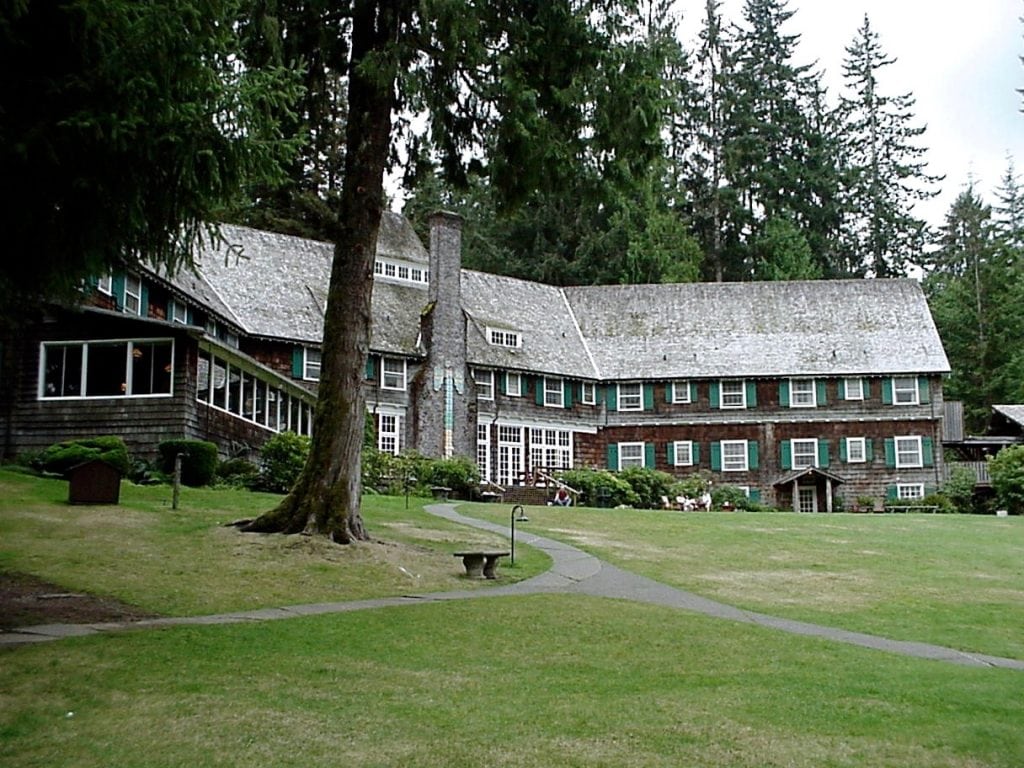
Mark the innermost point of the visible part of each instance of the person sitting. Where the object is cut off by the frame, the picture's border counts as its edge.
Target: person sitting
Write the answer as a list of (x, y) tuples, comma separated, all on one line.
[(562, 498)]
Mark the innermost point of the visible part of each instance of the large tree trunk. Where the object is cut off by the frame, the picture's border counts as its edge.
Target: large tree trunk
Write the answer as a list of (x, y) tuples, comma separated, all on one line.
[(325, 499)]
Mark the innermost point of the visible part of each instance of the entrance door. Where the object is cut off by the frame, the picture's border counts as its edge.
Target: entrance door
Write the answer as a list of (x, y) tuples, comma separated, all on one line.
[(808, 498)]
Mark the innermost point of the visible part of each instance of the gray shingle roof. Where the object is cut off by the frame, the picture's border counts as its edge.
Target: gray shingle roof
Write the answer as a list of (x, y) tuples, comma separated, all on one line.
[(1014, 413), (804, 328)]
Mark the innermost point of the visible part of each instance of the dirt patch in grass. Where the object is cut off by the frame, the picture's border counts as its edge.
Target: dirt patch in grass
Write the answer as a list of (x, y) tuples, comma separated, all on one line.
[(26, 601)]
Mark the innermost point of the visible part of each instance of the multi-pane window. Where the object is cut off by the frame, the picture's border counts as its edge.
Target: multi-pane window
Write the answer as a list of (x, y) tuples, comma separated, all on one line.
[(177, 311), (588, 393), (734, 393), (683, 453), (631, 397), (854, 388), (550, 449), (514, 384), (311, 364), (392, 373), (133, 295), (407, 273), (631, 455), (680, 392), (503, 338), (909, 491), (105, 284), (856, 450), (734, 456), (908, 452), (388, 433), (378, 267), (483, 451), (390, 270), (805, 453), (554, 392), (904, 390), (403, 272), (107, 369), (484, 384), (802, 393), (510, 454), (416, 275)]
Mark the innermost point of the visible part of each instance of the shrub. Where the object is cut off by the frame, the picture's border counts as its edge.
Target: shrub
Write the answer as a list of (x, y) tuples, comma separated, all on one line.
[(198, 461), (600, 487), (722, 494), (649, 485), (60, 457), (959, 488), (692, 487), (238, 473), (281, 460), (460, 474), (146, 473)]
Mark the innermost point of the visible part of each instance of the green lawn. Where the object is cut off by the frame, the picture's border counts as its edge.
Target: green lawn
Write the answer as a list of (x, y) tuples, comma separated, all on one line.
[(954, 580), (533, 681)]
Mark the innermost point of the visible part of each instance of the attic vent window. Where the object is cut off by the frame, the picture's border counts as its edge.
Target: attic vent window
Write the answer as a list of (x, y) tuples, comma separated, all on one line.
[(500, 338)]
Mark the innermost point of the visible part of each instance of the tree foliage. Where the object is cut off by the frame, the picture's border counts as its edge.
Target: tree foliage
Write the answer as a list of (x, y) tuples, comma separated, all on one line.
[(1006, 469)]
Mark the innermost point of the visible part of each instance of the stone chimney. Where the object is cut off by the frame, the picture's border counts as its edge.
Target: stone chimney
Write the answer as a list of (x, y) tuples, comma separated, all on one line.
[(445, 410)]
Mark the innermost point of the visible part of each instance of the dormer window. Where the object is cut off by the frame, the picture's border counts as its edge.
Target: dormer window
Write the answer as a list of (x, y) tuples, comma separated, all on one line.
[(502, 338)]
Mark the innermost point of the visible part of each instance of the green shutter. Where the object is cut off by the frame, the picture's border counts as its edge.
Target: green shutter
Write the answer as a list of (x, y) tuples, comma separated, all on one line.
[(611, 397), (190, 316), (713, 394), (567, 393), (613, 456), (371, 371), (598, 395), (117, 289), (786, 454), (752, 458), (841, 390), (539, 393), (143, 298), (649, 457), (890, 453), (869, 449), (823, 456), (927, 452), (923, 392), (298, 361), (648, 397), (887, 391), (891, 493), (751, 394), (822, 393), (669, 389), (693, 391), (842, 449), (716, 456), (670, 454), (784, 393), (503, 382), (755, 495), (695, 453), (866, 384)]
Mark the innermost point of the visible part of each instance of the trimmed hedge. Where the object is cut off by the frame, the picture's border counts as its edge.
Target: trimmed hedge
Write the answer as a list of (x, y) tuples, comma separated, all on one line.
[(198, 463), (60, 457)]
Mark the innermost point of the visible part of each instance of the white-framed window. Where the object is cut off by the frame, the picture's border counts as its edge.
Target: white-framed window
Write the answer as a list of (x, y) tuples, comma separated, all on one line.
[(856, 450), (908, 452), (631, 396), (550, 448), (683, 450), (115, 368), (554, 393), (805, 453), (310, 364), (389, 439), (909, 491), (378, 267), (133, 295), (105, 284), (177, 311), (416, 275), (904, 390), (802, 393), (392, 373), (500, 337), (734, 456), (390, 270), (483, 451), (631, 455), (680, 392), (854, 388), (403, 272), (514, 384), (734, 393), (510, 454), (588, 393), (484, 381)]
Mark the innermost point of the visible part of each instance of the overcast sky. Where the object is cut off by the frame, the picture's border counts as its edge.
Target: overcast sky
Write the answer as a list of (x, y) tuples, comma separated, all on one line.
[(960, 60)]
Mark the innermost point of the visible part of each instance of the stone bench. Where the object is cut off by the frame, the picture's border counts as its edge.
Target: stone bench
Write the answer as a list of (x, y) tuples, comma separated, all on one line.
[(480, 564)]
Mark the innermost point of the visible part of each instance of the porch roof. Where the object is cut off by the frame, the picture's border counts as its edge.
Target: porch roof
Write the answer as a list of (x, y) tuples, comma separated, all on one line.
[(797, 474)]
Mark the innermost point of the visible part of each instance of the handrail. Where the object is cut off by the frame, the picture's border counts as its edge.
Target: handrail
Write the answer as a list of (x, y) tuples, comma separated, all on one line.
[(552, 479)]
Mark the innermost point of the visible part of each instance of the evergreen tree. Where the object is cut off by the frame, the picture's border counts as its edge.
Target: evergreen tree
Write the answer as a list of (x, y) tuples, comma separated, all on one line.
[(884, 167)]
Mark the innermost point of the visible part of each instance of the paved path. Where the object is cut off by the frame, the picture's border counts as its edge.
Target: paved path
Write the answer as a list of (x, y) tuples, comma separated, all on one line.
[(573, 571)]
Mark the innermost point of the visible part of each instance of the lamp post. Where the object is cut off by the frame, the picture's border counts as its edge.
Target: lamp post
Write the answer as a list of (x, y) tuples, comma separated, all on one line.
[(518, 515)]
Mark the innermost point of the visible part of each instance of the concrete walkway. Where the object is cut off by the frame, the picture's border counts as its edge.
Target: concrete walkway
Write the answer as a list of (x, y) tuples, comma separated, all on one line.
[(572, 572)]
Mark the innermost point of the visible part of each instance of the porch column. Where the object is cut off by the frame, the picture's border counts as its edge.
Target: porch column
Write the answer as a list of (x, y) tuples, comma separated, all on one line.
[(796, 495), (828, 494)]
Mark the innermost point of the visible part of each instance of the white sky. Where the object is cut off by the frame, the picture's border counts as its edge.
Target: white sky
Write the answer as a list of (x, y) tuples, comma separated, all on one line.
[(960, 60)]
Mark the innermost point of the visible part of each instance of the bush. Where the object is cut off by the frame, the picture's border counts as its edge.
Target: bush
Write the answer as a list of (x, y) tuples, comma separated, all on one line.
[(600, 487), (146, 473), (198, 461), (460, 474), (60, 457), (649, 485), (959, 489), (238, 473), (692, 487), (281, 461), (723, 494)]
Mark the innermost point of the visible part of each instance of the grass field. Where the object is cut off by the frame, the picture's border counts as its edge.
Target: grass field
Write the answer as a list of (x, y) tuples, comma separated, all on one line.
[(545, 680)]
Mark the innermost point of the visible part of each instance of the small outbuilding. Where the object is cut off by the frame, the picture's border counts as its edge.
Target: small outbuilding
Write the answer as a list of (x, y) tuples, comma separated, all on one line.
[(94, 482)]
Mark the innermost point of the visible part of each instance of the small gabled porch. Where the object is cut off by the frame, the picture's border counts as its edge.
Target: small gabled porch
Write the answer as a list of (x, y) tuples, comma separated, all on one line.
[(808, 489)]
